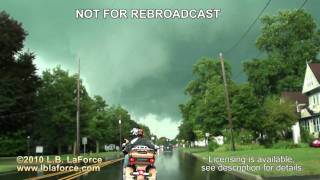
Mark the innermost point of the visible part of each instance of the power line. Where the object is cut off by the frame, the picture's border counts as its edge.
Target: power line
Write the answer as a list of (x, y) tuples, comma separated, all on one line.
[(249, 28), (32, 111), (302, 5)]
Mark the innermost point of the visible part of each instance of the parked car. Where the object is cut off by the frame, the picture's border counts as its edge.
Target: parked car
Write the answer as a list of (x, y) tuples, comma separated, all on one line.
[(110, 147), (167, 148), (315, 143)]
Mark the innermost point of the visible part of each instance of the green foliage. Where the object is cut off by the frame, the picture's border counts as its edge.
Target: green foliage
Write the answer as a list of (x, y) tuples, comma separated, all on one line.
[(205, 111), (306, 137), (289, 39), (57, 94), (278, 118), (244, 137), (10, 46), (212, 146), (15, 144), (285, 145), (18, 86), (161, 141), (98, 121), (186, 132), (246, 109), (199, 134), (239, 147)]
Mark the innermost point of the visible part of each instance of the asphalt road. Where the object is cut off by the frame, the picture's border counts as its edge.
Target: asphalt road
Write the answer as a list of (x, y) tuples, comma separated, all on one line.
[(170, 165)]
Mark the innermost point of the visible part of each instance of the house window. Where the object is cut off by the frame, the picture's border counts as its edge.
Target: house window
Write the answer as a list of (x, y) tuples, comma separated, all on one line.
[(302, 124), (316, 123), (314, 100), (305, 124), (310, 100)]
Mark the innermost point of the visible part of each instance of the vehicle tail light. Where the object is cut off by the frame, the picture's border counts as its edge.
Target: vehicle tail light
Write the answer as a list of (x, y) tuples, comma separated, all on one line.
[(151, 160), (132, 160)]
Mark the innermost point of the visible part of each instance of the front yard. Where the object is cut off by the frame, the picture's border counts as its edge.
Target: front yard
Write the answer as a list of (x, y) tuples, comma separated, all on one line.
[(307, 158)]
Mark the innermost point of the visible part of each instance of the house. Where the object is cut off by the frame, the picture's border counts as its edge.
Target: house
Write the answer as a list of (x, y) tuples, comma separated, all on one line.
[(301, 102), (310, 115), (307, 103)]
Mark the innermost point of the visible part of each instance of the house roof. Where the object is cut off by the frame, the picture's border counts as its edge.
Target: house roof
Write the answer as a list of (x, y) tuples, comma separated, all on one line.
[(315, 67), (295, 97)]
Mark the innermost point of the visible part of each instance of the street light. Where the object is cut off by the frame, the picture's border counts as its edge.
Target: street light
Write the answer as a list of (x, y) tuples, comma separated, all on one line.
[(28, 145), (120, 145)]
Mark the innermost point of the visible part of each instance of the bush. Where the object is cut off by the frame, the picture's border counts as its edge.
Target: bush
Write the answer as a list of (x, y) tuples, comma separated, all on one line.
[(239, 147), (12, 146), (245, 137), (306, 137), (212, 146), (285, 145)]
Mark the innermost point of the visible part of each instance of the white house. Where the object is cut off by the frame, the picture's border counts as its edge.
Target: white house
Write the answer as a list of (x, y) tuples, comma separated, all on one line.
[(310, 114), (307, 103)]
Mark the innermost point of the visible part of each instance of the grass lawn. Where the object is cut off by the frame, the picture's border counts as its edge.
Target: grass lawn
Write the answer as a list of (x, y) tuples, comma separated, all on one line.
[(307, 158), (9, 163)]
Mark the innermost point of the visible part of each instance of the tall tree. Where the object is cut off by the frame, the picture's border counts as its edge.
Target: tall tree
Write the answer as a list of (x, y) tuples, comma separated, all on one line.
[(289, 39), (99, 123), (18, 86), (57, 122), (205, 110)]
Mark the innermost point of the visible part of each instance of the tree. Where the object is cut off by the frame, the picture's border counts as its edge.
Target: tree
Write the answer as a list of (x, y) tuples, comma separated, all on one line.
[(162, 141), (205, 110), (278, 117), (186, 132), (99, 123), (12, 36), (246, 109), (18, 87), (56, 124), (289, 39)]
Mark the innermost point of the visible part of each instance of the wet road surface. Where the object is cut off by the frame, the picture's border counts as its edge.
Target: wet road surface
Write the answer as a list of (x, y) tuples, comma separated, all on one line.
[(170, 165)]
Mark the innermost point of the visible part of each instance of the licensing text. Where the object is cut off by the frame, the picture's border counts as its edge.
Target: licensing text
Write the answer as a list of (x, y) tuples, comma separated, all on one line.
[(147, 13)]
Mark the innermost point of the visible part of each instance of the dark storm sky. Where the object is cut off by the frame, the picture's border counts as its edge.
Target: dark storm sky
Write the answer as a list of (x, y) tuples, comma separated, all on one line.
[(143, 65)]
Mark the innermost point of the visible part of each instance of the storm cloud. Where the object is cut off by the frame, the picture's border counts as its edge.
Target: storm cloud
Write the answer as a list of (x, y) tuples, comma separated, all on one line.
[(143, 65)]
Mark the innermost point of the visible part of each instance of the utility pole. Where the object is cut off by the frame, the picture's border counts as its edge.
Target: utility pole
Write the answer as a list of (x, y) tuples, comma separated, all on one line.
[(78, 112), (28, 145), (227, 102)]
